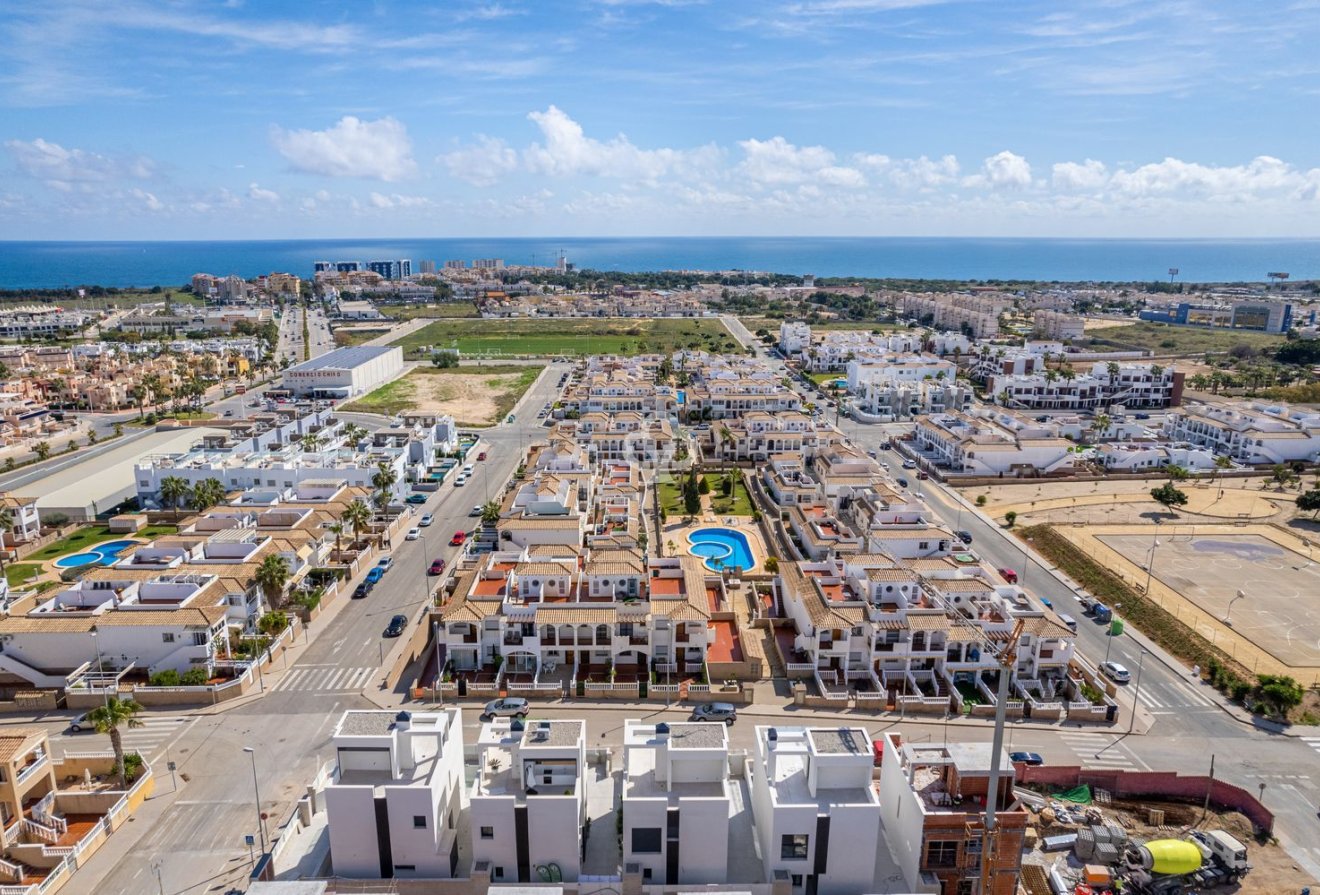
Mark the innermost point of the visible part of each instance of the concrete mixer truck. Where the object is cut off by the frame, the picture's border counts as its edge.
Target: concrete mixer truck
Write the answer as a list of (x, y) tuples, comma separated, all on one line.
[(1165, 866)]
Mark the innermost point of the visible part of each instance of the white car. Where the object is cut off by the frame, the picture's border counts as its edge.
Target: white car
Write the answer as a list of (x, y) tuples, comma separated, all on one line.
[(426, 520), (413, 534), (469, 469), (460, 481), (475, 511), (1115, 672)]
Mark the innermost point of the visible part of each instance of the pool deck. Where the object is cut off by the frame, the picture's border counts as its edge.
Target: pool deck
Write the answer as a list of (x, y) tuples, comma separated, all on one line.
[(681, 536)]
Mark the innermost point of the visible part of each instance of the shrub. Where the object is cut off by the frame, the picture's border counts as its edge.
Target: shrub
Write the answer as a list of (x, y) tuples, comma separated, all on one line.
[(1010, 517), (167, 678), (194, 677), (133, 765), (980, 500), (703, 486), (273, 623)]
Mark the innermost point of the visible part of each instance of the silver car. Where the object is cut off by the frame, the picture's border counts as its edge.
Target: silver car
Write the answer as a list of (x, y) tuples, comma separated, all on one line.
[(508, 707), (715, 711)]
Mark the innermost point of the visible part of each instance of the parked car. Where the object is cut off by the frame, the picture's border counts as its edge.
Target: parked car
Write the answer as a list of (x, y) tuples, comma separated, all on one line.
[(964, 535), (1042, 419), (468, 469), (437, 566), (1141, 416), (715, 711), (922, 474), (475, 511), (481, 456), (458, 539), (374, 574), (1068, 621), (508, 707), (426, 520), (398, 624), (361, 590), (415, 498), (413, 534), (1115, 672), (1030, 758), (385, 562), (1009, 575), (81, 723)]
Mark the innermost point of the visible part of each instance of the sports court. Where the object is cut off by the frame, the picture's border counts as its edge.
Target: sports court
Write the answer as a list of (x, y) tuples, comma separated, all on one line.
[(1280, 612)]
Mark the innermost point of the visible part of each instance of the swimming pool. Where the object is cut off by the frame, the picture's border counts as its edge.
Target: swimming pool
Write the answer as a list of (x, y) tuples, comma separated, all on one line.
[(722, 548), (104, 554)]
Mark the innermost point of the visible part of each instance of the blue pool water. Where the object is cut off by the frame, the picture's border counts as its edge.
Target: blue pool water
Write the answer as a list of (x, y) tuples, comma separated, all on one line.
[(722, 548), (104, 554)]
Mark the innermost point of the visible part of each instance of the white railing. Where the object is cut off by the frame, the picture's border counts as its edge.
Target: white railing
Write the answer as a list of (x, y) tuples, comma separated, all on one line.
[(799, 667), (39, 831), (608, 687), (56, 877), (26, 772), (44, 809), (12, 871), (663, 688), (698, 688)]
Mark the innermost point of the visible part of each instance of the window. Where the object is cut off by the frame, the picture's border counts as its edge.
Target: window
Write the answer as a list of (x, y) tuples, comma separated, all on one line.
[(167, 637), (966, 887), (199, 638), (793, 847), (796, 879), (405, 866), (419, 821), (646, 840), (941, 854), (487, 832), (499, 873)]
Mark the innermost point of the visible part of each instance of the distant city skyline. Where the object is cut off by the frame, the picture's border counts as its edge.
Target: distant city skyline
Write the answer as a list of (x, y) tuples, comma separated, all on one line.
[(193, 120)]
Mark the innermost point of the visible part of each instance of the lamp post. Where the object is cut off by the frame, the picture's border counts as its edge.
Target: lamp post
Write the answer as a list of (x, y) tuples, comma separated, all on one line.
[(1229, 611), (1136, 695), (96, 645), (1109, 630), (256, 789), (1150, 563)]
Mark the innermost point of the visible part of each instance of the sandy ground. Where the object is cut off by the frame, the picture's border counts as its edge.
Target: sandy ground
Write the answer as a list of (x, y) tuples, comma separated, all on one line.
[(467, 398)]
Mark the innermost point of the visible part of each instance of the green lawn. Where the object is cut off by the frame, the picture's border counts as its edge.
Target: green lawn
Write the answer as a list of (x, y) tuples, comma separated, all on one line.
[(188, 415), (443, 310), (1162, 338), (19, 573), (738, 504), (570, 336), (823, 378), (345, 338), (91, 535)]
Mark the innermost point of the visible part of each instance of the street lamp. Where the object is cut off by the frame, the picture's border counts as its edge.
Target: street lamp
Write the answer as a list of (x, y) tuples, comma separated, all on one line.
[(256, 789), (1150, 563), (1109, 630), (1229, 611), (96, 645)]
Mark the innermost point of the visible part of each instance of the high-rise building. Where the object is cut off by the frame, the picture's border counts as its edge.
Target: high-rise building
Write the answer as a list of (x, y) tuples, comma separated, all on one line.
[(391, 270), (428, 267), (488, 263), (455, 265)]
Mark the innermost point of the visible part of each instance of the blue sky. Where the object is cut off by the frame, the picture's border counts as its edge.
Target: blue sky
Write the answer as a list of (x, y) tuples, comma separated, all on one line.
[(188, 119)]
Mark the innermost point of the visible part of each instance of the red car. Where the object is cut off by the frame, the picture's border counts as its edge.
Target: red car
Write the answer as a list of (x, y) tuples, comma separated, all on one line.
[(481, 456), (1008, 575), (458, 538), (437, 567)]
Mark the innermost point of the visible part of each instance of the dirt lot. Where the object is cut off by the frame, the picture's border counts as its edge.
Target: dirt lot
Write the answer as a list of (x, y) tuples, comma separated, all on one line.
[(474, 396), (1273, 871)]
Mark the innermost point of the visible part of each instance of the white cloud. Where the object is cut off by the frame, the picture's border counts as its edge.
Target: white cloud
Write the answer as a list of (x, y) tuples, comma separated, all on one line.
[(148, 200), (61, 167), (380, 200), (911, 173), (568, 151), (1261, 175), (1087, 175), (777, 161), (482, 163), (1004, 170), (378, 150), (262, 195)]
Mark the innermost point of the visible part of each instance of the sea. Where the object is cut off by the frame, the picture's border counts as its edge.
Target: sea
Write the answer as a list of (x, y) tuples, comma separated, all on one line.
[(45, 265)]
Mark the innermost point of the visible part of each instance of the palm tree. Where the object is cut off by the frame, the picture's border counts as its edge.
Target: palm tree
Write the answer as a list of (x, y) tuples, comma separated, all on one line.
[(272, 576), (137, 393), (1223, 461), (353, 433), (490, 513), (336, 529), (383, 480), (311, 442), (358, 515), (206, 494), (1112, 369), (1100, 424), (108, 719), (174, 492), (41, 449)]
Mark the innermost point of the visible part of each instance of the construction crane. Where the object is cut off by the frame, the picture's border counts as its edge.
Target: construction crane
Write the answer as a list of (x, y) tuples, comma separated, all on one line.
[(1006, 656)]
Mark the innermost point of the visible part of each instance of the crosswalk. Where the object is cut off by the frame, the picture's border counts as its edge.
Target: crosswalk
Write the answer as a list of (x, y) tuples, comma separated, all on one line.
[(324, 679), (1313, 742), (1113, 756), (1172, 696), (156, 732)]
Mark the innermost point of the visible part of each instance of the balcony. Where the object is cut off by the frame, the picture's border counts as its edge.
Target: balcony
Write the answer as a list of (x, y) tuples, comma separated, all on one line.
[(29, 771)]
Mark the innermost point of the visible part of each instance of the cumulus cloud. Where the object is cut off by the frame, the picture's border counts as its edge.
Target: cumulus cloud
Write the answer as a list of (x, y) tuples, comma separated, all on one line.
[(380, 200), (911, 173), (62, 168), (262, 195), (1087, 175), (483, 163), (148, 200), (777, 161), (1004, 170), (568, 151), (1261, 175), (376, 150)]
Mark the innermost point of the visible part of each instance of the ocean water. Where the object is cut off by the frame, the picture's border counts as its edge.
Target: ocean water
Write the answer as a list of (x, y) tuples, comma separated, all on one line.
[(33, 265)]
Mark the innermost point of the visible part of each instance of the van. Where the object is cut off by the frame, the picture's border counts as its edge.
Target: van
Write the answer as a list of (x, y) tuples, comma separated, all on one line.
[(1068, 621)]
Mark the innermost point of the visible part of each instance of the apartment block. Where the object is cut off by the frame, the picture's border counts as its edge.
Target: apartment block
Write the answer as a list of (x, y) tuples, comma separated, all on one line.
[(974, 315), (396, 796), (676, 802), (933, 799), (1048, 324), (528, 803), (1135, 386), (1253, 433), (817, 812), (994, 445)]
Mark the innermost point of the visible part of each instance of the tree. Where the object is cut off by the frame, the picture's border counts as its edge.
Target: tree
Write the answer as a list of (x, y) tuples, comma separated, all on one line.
[(691, 494), (1280, 692), (1222, 462), (41, 449), (490, 512), (358, 516), (1010, 517), (174, 493), (206, 494), (310, 443), (1307, 502), (772, 564), (703, 486), (353, 433), (383, 480), (272, 576), (1100, 424), (1177, 473), (1281, 475), (336, 529), (108, 719), (1168, 496)]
